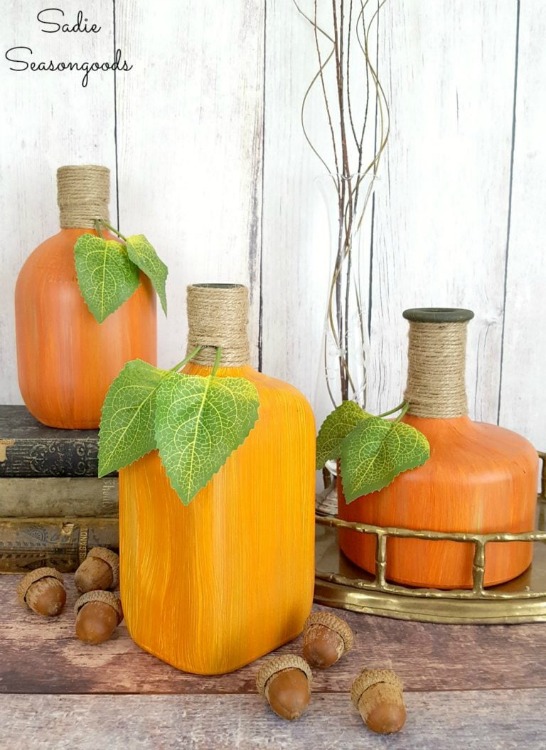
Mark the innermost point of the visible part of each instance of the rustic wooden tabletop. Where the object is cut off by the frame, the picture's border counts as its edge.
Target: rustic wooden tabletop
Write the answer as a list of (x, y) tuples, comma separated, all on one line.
[(466, 687)]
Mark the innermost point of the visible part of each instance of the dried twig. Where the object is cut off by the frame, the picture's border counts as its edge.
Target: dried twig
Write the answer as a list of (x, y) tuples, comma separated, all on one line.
[(346, 45)]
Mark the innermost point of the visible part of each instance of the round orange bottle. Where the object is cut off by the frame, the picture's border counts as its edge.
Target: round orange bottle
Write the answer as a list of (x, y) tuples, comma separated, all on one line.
[(479, 478), (214, 585), (66, 359)]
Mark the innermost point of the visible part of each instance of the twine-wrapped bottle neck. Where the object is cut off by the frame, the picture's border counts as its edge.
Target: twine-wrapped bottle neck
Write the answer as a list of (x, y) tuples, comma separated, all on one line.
[(218, 317), (436, 362), (83, 195)]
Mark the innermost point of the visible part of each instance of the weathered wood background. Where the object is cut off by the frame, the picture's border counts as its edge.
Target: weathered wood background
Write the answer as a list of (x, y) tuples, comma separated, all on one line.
[(466, 686), (208, 159)]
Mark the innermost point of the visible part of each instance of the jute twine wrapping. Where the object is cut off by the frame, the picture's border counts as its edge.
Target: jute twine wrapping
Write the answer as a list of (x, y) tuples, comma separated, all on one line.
[(217, 317), (83, 194), (436, 370)]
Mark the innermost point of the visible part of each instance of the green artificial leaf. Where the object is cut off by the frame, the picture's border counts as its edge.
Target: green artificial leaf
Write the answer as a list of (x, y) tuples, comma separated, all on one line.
[(145, 257), (127, 428), (200, 421), (335, 428), (106, 276), (376, 451)]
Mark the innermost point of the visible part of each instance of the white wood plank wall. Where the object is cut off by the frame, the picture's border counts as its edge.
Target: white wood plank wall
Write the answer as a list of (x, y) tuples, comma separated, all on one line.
[(204, 141)]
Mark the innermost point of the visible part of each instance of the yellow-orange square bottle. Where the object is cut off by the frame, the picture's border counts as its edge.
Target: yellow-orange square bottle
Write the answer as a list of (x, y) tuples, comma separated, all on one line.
[(66, 359), (213, 585)]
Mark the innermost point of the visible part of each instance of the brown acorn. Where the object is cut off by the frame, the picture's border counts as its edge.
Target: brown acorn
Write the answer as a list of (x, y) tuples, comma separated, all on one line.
[(99, 571), (377, 695), (98, 613), (325, 639), (285, 682), (43, 591)]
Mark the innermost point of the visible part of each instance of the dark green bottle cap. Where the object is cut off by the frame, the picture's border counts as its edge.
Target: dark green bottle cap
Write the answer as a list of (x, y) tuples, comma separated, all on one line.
[(438, 314)]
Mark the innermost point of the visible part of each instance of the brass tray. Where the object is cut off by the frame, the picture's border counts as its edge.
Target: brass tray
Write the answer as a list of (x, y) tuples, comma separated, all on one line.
[(340, 583)]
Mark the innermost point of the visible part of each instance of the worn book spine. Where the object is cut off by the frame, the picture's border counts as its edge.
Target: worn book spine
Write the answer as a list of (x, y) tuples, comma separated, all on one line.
[(49, 457), (29, 543), (30, 449), (60, 496)]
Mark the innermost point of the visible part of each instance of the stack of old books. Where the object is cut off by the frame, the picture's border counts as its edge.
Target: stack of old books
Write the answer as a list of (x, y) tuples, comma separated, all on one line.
[(53, 507)]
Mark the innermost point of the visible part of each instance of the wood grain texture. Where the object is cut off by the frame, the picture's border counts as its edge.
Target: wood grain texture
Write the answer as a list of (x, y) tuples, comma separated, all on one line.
[(49, 120), (522, 406), (190, 135), (189, 139), (427, 657), (500, 719), (441, 216), (298, 252)]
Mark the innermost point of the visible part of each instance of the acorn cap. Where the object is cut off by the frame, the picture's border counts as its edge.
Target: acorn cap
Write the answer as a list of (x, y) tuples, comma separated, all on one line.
[(106, 597), (331, 621), (110, 557), (369, 677), (35, 575), (279, 664)]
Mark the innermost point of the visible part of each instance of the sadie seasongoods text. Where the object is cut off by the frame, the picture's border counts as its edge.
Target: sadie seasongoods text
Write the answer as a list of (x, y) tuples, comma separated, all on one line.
[(53, 21)]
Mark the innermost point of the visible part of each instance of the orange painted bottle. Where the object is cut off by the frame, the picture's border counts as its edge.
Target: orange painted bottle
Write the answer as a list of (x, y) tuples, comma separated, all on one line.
[(66, 359), (214, 585), (480, 478)]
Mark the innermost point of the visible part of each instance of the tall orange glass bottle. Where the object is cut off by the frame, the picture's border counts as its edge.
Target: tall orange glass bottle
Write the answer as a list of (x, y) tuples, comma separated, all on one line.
[(66, 359)]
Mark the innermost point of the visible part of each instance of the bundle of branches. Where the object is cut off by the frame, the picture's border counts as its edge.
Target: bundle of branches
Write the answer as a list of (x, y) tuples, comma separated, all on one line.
[(357, 120)]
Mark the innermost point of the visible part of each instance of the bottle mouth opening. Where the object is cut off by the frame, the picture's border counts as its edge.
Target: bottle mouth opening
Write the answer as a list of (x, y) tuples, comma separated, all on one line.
[(438, 314)]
